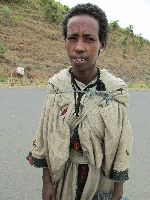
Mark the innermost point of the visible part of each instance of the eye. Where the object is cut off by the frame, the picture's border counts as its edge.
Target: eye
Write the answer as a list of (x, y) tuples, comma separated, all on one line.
[(72, 38), (89, 39)]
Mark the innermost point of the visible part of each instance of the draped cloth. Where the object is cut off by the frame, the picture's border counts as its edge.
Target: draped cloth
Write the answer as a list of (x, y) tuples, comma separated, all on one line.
[(104, 132)]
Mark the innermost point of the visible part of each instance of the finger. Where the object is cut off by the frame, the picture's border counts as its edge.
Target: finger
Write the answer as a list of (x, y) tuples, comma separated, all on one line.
[(53, 197), (47, 197)]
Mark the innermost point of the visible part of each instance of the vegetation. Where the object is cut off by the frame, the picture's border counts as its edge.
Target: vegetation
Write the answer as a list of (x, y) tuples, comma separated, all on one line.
[(55, 11), (5, 15), (129, 30), (2, 50), (14, 1), (3, 80), (139, 85), (114, 25), (30, 29)]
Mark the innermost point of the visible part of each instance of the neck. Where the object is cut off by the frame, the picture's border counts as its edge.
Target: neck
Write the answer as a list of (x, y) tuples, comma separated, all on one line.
[(85, 76)]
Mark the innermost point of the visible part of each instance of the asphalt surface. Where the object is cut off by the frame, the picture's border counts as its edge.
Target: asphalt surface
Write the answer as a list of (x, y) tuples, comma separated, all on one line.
[(19, 114)]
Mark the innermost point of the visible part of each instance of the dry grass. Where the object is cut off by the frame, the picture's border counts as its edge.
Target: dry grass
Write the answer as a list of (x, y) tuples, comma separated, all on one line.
[(32, 42)]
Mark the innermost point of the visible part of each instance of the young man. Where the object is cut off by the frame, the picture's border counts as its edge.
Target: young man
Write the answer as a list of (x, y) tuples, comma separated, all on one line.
[(84, 138)]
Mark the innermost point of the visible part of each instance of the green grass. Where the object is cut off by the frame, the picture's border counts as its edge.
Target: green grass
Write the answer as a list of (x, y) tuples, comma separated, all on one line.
[(139, 85), (3, 79), (2, 50), (19, 18)]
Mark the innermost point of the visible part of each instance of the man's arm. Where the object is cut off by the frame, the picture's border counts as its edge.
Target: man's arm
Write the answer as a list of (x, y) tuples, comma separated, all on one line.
[(48, 191), (118, 191)]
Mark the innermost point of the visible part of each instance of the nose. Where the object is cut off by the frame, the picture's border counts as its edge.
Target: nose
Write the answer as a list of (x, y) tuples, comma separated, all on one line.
[(80, 47)]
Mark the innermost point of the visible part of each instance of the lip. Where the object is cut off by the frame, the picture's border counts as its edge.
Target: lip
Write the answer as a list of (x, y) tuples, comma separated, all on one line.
[(79, 60)]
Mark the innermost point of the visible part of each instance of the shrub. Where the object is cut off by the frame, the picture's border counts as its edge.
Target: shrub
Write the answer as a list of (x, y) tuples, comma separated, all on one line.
[(114, 25), (139, 42), (18, 17), (3, 79), (129, 30), (125, 46), (44, 1), (55, 11), (125, 41), (14, 1), (2, 50), (5, 15)]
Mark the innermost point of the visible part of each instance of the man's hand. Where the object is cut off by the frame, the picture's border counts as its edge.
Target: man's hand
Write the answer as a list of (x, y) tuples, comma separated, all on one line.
[(48, 192), (115, 197), (118, 191)]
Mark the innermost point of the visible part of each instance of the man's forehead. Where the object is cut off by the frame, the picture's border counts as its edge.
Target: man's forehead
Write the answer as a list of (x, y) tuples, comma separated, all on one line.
[(82, 20), (84, 23)]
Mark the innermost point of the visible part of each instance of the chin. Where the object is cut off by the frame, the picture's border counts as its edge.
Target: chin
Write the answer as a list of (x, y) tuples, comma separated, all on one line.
[(83, 68), (80, 68)]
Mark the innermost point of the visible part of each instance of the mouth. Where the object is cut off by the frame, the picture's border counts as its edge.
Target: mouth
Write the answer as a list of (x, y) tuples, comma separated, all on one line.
[(79, 60)]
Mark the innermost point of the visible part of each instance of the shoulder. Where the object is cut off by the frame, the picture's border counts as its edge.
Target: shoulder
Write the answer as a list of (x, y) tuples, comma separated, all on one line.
[(60, 76), (112, 83), (60, 80), (115, 86)]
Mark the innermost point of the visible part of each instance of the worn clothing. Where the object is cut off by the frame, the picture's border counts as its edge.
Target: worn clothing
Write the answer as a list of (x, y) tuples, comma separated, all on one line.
[(106, 196), (104, 134)]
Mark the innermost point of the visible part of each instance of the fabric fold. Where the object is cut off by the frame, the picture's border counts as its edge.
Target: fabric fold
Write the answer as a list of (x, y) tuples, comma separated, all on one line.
[(104, 133)]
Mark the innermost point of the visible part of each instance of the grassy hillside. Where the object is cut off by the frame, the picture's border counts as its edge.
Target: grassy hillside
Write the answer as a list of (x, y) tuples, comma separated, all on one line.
[(29, 40)]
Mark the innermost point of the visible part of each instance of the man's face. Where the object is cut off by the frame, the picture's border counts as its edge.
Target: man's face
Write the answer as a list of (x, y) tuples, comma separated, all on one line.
[(82, 42)]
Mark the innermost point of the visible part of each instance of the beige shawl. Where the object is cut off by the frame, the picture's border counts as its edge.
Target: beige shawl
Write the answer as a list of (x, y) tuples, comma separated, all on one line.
[(105, 134)]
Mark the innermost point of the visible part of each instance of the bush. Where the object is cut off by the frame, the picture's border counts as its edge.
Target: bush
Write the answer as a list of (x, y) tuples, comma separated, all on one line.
[(2, 50), (55, 11), (129, 30), (139, 42), (114, 25), (44, 1), (3, 79), (14, 1), (125, 46), (5, 15)]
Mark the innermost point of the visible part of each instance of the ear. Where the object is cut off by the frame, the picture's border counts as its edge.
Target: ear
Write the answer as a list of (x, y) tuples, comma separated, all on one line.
[(103, 45)]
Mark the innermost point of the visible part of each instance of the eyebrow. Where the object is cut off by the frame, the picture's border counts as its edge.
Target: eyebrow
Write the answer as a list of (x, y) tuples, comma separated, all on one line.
[(73, 34), (84, 35)]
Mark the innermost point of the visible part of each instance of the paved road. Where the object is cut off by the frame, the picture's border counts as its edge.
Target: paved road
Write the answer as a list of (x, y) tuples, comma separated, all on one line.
[(19, 113)]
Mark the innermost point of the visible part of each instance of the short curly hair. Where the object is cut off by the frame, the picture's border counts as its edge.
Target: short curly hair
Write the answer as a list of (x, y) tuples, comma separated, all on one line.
[(93, 11)]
